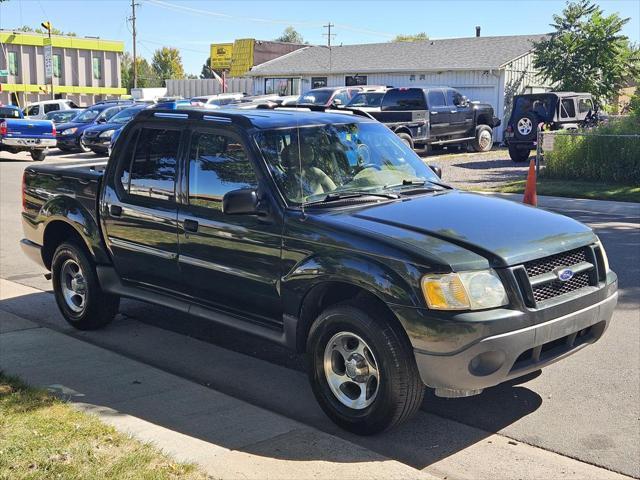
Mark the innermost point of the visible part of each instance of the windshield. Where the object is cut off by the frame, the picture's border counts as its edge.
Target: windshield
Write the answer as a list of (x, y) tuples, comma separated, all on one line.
[(370, 99), (310, 162), (9, 113), (125, 115), (87, 116), (315, 97)]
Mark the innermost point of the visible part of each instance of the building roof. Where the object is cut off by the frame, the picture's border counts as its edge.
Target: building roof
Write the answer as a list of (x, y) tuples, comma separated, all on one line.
[(12, 37), (473, 53)]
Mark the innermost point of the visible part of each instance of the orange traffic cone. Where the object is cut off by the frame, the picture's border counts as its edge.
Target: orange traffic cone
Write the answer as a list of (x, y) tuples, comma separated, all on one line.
[(530, 196)]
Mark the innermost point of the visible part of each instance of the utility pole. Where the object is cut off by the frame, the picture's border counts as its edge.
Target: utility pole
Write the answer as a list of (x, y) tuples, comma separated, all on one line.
[(133, 33), (328, 34)]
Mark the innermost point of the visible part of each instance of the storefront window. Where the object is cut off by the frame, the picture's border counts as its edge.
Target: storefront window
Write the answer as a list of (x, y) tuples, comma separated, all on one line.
[(318, 82), (13, 63), (97, 68), (57, 66), (352, 81), (282, 86)]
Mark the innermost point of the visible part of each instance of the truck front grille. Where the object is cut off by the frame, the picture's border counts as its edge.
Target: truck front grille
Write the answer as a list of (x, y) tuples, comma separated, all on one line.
[(544, 283)]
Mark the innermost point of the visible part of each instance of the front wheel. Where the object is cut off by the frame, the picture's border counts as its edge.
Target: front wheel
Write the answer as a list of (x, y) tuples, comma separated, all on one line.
[(362, 370), (38, 155), (78, 294), (519, 154), (484, 139)]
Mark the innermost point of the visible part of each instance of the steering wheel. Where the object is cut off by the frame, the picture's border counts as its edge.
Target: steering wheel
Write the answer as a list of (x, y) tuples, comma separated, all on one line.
[(364, 155), (371, 165)]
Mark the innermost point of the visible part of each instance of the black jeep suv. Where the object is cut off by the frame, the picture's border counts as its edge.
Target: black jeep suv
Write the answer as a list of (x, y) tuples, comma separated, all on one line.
[(551, 111)]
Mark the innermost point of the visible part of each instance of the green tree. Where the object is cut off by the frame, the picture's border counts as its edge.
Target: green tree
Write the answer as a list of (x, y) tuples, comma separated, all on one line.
[(146, 75), (167, 64), (416, 37), (586, 51), (54, 31), (206, 70), (290, 35)]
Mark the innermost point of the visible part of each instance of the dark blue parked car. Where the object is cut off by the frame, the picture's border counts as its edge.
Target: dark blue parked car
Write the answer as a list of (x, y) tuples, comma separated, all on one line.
[(69, 135), (98, 137)]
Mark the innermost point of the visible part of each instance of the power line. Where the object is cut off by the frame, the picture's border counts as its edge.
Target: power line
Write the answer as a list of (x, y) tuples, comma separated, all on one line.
[(328, 34)]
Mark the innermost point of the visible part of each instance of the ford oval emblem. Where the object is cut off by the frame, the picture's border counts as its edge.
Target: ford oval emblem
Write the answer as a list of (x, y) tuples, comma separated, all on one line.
[(565, 274)]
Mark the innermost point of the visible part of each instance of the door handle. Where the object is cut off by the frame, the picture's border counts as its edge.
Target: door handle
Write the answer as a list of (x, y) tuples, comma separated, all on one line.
[(433, 113), (190, 225), (115, 210), (453, 111)]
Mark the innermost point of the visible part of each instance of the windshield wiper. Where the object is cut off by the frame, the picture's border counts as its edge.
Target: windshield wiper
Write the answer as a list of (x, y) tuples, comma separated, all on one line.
[(417, 182), (336, 196)]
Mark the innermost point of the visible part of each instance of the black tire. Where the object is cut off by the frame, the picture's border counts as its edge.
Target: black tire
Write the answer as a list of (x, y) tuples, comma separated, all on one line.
[(406, 138), (519, 154), (400, 390), (98, 308), (38, 155), (98, 152), (82, 148), (483, 142), (525, 127)]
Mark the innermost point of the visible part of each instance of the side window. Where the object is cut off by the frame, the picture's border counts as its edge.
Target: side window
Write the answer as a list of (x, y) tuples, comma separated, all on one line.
[(435, 98), (342, 96), (568, 108), (152, 173), (51, 107), (584, 105), (33, 110), (217, 164), (404, 99), (454, 98)]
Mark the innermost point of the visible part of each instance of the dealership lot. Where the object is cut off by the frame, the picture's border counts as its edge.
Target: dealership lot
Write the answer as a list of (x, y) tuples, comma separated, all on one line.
[(585, 407)]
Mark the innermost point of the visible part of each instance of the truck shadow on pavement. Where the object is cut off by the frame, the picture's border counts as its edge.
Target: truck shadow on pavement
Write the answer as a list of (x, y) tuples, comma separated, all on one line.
[(249, 369)]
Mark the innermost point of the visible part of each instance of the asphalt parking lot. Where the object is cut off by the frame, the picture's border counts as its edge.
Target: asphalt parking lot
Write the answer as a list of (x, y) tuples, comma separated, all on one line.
[(585, 407)]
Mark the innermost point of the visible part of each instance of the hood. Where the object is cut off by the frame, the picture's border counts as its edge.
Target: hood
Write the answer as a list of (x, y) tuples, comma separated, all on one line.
[(503, 232), (63, 126)]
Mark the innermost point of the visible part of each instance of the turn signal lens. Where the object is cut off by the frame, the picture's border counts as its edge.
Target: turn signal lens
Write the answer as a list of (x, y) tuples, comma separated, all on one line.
[(445, 292)]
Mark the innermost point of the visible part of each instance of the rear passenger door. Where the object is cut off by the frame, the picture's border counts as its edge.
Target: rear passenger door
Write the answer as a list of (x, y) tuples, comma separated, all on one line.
[(230, 262), (439, 113), (139, 209)]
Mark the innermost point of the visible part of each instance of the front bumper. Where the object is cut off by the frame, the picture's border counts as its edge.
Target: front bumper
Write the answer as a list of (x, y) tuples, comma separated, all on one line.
[(29, 142), (68, 141), (498, 358), (96, 143)]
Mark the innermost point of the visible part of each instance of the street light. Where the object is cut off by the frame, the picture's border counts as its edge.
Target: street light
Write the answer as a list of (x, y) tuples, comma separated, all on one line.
[(48, 54)]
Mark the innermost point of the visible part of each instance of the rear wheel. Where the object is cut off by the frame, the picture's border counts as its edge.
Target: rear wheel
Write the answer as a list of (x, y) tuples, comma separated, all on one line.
[(406, 138), (519, 154), (78, 294), (38, 155), (362, 370), (484, 139)]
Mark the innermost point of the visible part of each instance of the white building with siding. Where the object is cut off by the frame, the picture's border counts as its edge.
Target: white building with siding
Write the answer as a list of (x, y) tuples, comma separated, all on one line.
[(486, 69)]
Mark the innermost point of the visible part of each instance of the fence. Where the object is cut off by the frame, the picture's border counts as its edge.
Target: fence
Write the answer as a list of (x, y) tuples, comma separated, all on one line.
[(195, 87), (589, 155)]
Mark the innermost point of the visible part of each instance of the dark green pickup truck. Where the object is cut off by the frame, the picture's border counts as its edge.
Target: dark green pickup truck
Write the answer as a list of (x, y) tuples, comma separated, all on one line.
[(323, 232)]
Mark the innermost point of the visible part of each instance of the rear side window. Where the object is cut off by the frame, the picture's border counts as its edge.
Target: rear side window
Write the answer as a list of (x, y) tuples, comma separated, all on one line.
[(568, 108), (406, 99), (152, 172), (585, 105), (51, 107), (32, 110), (435, 98), (217, 164)]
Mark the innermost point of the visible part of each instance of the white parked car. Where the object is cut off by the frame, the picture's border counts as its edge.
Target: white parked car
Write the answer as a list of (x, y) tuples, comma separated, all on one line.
[(216, 101), (40, 109)]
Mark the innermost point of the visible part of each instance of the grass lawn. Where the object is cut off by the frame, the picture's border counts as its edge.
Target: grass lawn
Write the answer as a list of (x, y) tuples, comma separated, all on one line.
[(42, 437), (576, 189)]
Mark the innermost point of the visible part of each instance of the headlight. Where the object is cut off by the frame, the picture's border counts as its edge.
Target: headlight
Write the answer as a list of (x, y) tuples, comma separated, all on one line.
[(604, 256), (69, 131), (473, 290), (106, 134)]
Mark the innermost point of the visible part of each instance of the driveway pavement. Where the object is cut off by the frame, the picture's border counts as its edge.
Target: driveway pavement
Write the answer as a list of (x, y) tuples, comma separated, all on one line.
[(585, 407)]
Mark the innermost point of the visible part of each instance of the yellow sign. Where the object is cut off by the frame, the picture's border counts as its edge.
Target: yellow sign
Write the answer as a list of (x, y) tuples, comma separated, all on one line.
[(221, 54), (242, 56)]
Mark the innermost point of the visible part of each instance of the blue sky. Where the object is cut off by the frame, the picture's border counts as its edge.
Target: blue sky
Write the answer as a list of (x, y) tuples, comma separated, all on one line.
[(192, 25)]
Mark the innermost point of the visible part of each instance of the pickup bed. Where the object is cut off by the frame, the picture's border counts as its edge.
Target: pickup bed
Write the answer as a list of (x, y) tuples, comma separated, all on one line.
[(325, 233), (18, 134)]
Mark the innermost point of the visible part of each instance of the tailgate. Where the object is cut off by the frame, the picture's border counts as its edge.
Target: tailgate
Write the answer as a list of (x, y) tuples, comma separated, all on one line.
[(29, 128)]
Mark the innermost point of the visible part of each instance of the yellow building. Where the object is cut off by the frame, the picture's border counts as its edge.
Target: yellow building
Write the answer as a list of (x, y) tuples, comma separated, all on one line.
[(85, 70)]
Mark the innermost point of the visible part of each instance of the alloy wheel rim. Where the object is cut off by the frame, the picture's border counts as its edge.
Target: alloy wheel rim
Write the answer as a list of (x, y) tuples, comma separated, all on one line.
[(525, 126), (74, 285), (485, 139), (351, 370)]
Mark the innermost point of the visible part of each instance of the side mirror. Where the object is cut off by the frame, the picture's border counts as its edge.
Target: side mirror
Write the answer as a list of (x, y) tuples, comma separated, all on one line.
[(336, 102), (101, 120), (243, 201), (437, 170)]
